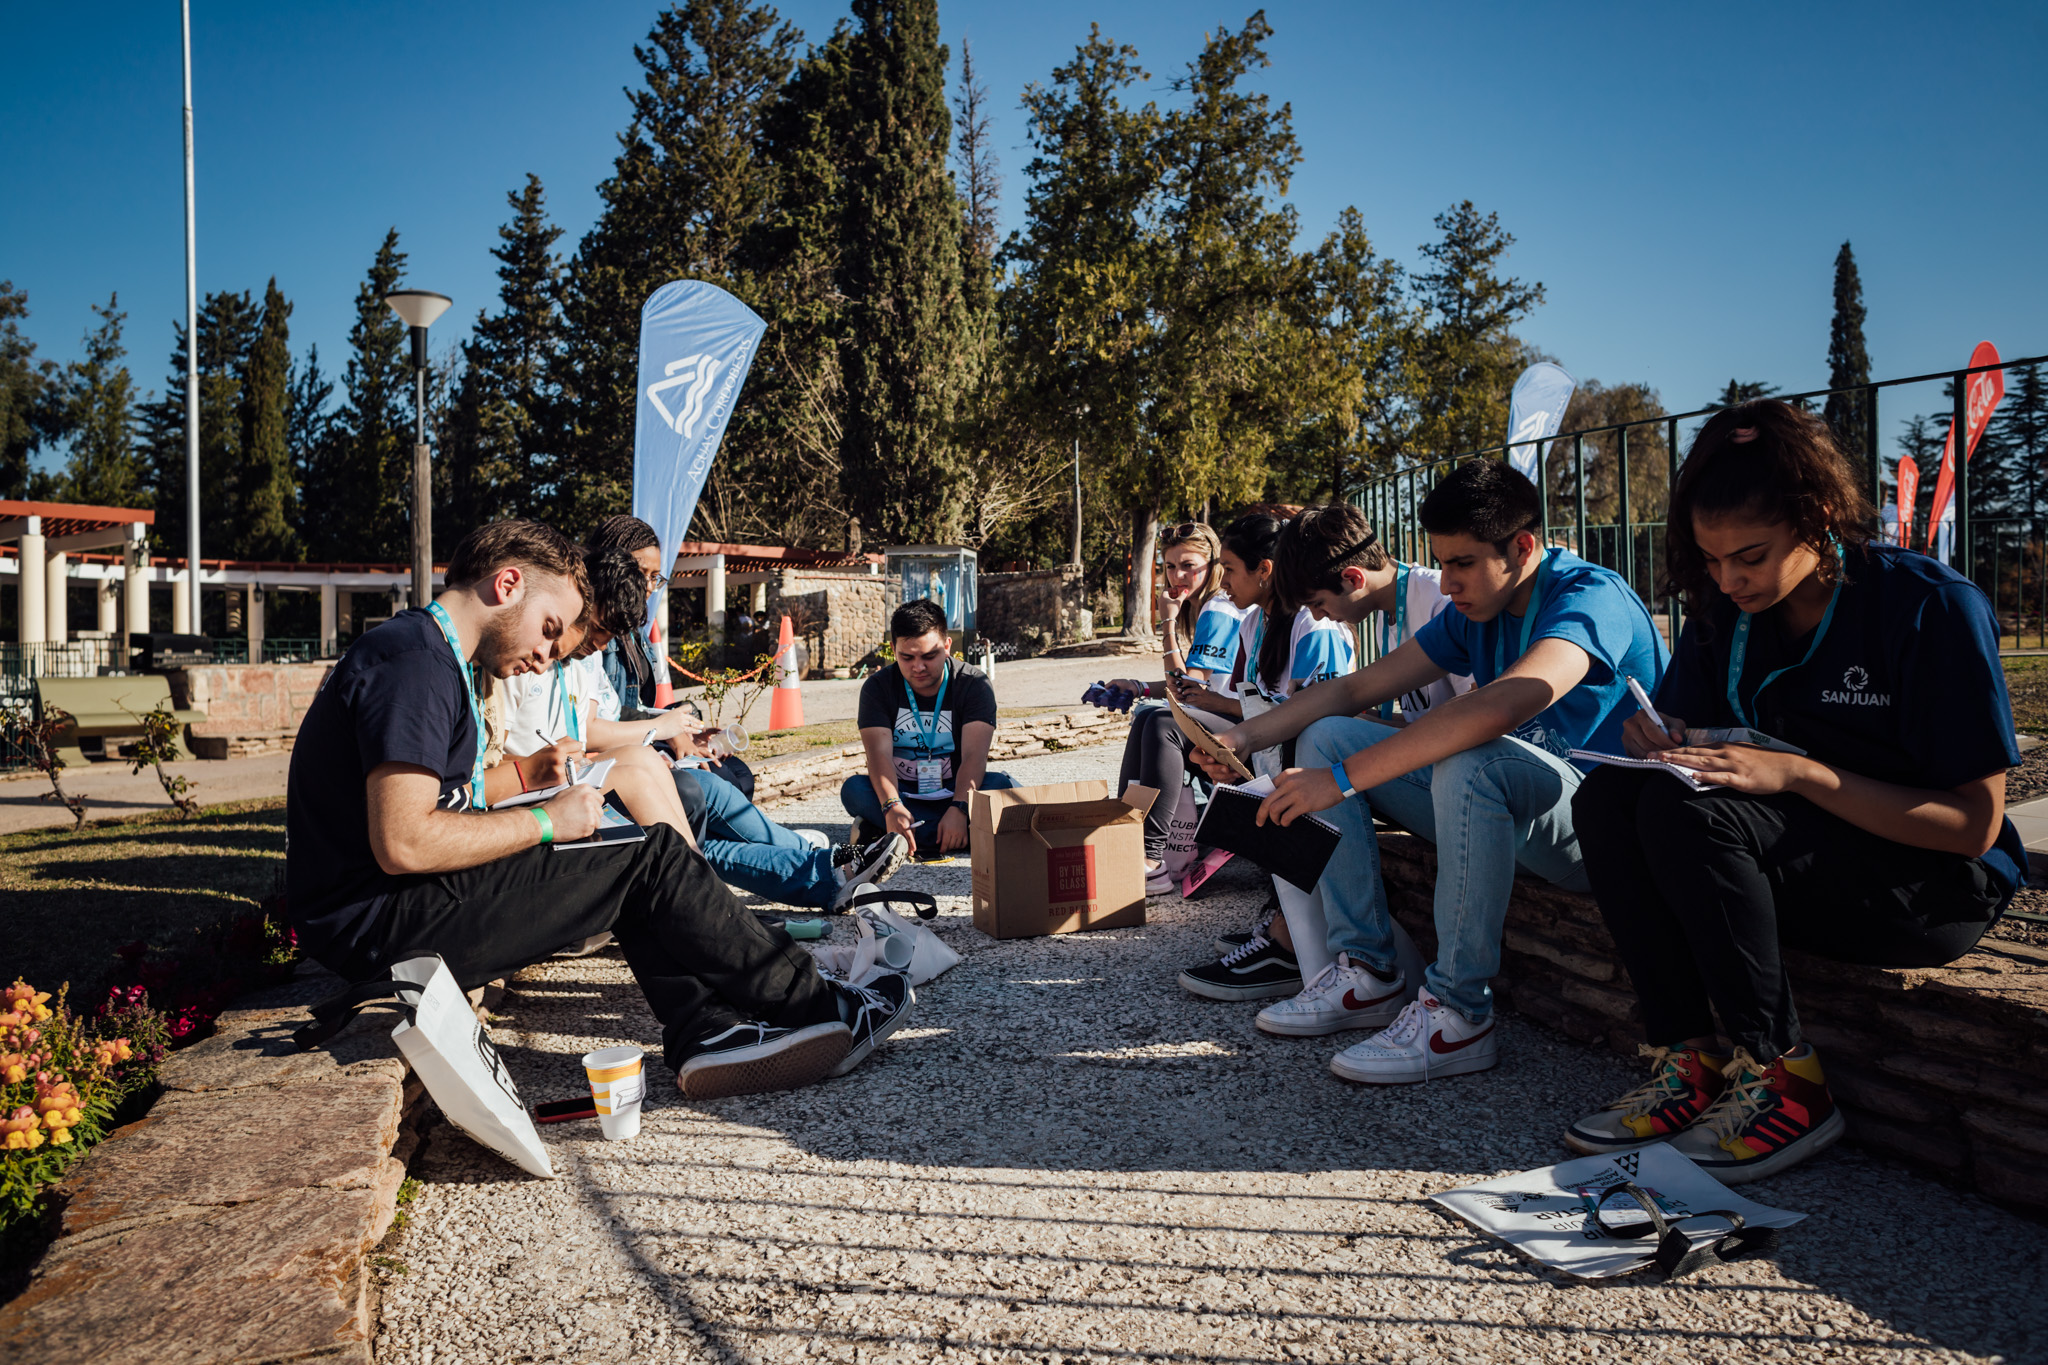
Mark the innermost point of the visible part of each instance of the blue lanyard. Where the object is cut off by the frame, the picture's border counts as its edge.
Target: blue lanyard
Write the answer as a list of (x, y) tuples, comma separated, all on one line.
[(1251, 663), (928, 741), (1500, 641), (1738, 651), (569, 706), (1400, 628), (476, 715)]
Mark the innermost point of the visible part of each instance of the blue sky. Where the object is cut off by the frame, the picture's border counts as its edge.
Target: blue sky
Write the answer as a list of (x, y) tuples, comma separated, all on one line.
[(1678, 177)]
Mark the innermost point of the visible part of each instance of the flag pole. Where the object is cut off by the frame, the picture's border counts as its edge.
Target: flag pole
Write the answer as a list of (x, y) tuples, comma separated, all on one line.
[(191, 355)]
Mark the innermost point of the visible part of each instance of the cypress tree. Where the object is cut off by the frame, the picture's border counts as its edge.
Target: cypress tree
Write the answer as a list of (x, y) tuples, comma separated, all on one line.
[(357, 485), (499, 413), (31, 413), (266, 494), (1848, 360), (104, 468), (1467, 356), (900, 472), (228, 327)]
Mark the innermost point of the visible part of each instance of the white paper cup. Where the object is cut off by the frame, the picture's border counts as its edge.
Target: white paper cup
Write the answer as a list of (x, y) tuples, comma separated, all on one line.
[(895, 950), (618, 1082)]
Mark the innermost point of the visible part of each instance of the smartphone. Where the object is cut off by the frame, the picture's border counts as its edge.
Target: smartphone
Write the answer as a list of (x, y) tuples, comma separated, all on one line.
[(561, 1111)]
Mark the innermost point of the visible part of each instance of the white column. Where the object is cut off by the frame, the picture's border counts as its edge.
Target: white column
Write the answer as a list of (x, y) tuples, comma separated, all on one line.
[(181, 603), (344, 612), (135, 588), (328, 631), (108, 595), (757, 601), (56, 581), (32, 611), (714, 599), (253, 615)]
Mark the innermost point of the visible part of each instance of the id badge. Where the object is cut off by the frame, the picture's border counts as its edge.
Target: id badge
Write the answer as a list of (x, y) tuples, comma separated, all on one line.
[(929, 777)]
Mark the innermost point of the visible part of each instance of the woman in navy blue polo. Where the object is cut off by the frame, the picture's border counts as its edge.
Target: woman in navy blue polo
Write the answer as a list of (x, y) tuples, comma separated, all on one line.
[(1866, 822)]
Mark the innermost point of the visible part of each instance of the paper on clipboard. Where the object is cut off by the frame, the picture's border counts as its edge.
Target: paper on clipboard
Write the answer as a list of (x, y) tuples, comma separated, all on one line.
[(1197, 733)]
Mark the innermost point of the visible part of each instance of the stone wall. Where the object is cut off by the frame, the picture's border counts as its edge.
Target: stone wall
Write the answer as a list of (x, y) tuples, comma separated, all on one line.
[(840, 618), (787, 778), (250, 708), (1032, 609), (1944, 1068)]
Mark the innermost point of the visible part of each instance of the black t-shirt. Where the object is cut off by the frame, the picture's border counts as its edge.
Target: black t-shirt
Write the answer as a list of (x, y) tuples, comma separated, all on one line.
[(884, 704), (1904, 687), (395, 697)]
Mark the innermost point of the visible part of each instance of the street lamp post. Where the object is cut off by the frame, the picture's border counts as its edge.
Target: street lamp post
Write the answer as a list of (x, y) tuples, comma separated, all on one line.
[(418, 308)]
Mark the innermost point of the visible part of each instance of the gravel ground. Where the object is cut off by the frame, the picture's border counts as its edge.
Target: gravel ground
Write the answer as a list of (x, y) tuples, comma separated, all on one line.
[(1064, 1157)]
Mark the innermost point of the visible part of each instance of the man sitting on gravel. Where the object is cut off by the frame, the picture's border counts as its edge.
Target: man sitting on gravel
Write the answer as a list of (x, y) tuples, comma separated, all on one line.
[(410, 863)]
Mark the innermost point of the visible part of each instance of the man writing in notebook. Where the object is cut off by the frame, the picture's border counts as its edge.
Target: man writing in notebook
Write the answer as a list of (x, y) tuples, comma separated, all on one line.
[(1549, 639), (391, 854)]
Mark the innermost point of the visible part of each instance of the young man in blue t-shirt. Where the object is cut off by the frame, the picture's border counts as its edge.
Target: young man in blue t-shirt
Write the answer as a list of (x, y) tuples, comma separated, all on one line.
[(1549, 639)]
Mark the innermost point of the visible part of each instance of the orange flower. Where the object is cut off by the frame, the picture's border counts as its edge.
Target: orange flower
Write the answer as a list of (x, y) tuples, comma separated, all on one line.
[(13, 1068), (22, 1141), (25, 999)]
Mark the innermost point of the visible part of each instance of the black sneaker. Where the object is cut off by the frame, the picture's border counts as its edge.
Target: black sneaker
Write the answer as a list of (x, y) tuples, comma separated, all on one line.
[(865, 833), (1260, 970), (856, 864), (751, 1057), (1226, 944), (878, 1008)]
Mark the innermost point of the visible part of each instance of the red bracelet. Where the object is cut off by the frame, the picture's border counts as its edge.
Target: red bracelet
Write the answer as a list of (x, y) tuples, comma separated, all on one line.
[(521, 775)]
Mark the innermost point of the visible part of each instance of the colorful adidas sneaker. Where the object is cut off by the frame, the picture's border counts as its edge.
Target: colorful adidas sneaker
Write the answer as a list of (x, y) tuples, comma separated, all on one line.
[(1768, 1118), (1683, 1083)]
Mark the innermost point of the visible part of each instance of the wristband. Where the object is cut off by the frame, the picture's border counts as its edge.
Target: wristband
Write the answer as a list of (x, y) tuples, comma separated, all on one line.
[(520, 773), (1343, 779), (892, 801), (547, 824), (960, 806), (647, 737)]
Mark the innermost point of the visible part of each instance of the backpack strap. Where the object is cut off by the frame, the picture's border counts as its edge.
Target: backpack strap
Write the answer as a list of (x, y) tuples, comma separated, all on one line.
[(406, 981), (1677, 1256), (926, 904)]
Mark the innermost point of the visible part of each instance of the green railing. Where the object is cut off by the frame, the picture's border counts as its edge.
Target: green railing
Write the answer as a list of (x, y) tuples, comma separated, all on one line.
[(1633, 465)]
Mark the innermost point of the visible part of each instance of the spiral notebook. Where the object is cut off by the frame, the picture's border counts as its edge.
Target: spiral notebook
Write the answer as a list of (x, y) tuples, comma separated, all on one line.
[(1298, 852), (1689, 776)]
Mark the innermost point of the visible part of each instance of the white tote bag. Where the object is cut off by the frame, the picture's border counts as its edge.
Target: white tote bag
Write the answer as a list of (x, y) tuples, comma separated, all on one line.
[(1180, 832), (888, 942)]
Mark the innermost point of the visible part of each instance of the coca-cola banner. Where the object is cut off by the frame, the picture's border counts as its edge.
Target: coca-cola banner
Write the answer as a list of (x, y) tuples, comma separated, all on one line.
[(1909, 493), (1981, 393)]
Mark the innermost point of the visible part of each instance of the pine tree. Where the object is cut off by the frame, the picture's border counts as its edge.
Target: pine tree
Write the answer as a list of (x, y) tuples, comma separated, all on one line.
[(357, 485), (981, 185), (500, 410), (1467, 357), (905, 313), (104, 468), (2022, 426), (1740, 392), (1848, 362), (31, 410), (266, 493), (228, 327)]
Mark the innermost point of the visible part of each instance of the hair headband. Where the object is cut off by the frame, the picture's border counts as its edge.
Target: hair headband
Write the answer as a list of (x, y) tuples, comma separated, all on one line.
[(1339, 556)]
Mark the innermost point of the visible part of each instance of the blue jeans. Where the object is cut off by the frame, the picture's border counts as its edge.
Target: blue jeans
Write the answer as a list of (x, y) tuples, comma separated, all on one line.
[(857, 794), (752, 852), (1489, 810)]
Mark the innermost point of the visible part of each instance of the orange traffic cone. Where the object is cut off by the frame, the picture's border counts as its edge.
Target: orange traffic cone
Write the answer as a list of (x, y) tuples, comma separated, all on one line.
[(664, 693), (786, 705)]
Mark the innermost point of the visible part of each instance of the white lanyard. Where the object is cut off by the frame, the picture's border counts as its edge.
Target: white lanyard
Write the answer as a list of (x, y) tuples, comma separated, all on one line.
[(476, 715)]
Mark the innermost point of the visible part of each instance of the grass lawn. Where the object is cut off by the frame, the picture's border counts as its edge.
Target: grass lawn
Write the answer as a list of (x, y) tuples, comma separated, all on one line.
[(2026, 678), (68, 899)]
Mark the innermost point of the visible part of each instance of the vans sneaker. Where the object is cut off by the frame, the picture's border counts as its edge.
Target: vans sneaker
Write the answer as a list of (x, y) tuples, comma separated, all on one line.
[(1683, 1083), (1345, 996), (1230, 943), (877, 1010), (1768, 1118), (751, 1057), (856, 865), (1428, 1039), (1260, 970)]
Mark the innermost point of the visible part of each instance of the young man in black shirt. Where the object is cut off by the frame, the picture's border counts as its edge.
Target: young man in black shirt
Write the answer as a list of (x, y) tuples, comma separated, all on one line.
[(392, 856), (926, 723)]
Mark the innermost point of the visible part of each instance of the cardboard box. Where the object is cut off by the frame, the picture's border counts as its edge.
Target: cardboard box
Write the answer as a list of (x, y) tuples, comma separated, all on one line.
[(1058, 859)]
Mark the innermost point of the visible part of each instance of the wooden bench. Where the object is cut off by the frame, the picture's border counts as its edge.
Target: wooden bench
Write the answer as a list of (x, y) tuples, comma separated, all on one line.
[(104, 707)]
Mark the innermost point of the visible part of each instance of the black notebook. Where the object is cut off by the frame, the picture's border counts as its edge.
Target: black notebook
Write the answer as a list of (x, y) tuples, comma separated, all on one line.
[(1298, 852)]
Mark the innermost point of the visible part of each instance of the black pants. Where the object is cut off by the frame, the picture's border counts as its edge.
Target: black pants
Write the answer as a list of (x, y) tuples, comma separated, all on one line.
[(702, 961), (1700, 890), (1156, 756)]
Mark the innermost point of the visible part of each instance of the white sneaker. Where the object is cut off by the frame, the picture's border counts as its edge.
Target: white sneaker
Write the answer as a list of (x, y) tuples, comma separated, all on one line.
[(1429, 1039), (814, 837), (1158, 881), (1345, 996)]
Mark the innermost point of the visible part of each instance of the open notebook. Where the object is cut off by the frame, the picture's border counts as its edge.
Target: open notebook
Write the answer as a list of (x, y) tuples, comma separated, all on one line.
[(1689, 776)]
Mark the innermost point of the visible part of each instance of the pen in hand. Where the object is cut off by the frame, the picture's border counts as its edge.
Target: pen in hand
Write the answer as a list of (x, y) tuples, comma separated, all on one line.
[(1635, 689)]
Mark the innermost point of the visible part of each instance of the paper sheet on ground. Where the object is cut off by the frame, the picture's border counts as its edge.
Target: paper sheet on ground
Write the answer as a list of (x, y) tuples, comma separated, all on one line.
[(1689, 776), (1545, 1214), (580, 775)]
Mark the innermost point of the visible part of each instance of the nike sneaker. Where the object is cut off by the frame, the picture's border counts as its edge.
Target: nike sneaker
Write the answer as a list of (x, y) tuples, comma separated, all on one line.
[(1683, 1082), (1346, 995), (1768, 1118), (857, 865), (1260, 970), (751, 1057), (1428, 1039)]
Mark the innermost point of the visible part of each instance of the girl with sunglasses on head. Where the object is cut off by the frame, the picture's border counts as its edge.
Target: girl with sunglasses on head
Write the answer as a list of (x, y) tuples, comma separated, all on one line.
[(1858, 812)]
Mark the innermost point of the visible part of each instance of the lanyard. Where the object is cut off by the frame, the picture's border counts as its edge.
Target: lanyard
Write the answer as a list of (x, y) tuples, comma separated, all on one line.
[(476, 715), (928, 742), (1251, 663), (1738, 650), (1500, 641), (569, 705), (1400, 628)]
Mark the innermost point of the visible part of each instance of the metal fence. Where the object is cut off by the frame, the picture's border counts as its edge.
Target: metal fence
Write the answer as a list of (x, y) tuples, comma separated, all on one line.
[(1595, 518)]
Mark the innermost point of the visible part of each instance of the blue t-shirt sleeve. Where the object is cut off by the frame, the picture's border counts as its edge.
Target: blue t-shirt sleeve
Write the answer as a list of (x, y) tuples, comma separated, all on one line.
[(1447, 639), (407, 708), (1597, 614), (1954, 690), (1321, 654), (1215, 642)]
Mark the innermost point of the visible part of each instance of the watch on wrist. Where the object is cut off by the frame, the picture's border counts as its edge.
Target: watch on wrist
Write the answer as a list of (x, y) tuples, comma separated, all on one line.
[(960, 806)]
